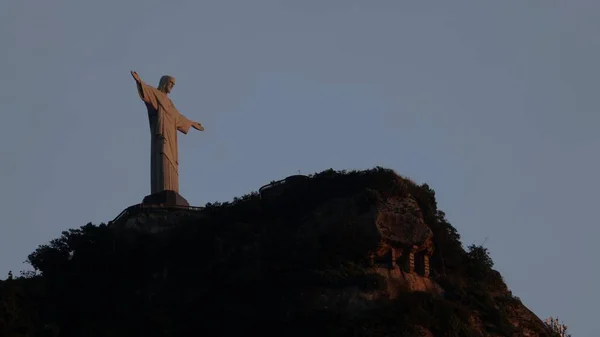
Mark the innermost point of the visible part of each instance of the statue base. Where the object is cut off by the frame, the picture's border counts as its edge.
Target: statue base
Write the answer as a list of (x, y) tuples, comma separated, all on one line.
[(168, 198)]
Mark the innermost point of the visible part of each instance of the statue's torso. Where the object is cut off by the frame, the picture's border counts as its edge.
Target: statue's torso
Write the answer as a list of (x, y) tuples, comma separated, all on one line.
[(163, 127)]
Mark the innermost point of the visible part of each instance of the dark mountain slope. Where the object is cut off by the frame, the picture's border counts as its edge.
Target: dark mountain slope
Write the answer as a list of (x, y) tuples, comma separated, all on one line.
[(339, 254)]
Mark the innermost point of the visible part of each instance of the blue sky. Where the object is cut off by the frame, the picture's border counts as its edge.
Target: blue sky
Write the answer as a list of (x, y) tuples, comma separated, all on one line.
[(494, 104)]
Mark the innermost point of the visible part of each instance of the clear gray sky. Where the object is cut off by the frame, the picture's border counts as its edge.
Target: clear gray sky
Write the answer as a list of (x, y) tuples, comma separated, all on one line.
[(493, 103)]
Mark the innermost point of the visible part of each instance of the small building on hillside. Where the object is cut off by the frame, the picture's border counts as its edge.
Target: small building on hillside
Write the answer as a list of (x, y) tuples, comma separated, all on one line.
[(278, 188)]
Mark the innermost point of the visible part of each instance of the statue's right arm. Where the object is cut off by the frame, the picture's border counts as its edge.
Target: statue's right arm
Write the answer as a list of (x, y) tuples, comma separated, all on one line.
[(136, 77), (145, 91)]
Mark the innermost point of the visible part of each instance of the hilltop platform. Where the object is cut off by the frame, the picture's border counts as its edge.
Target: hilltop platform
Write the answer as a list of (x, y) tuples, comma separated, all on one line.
[(169, 198), (153, 218)]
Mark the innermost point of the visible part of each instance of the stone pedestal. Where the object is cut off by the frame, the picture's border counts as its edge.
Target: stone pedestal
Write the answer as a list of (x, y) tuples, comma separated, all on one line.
[(167, 198)]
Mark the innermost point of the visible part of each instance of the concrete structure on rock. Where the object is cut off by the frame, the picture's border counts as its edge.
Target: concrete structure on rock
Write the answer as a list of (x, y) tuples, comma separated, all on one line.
[(153, 218), (411, 259), (278, 188), (407, 241)]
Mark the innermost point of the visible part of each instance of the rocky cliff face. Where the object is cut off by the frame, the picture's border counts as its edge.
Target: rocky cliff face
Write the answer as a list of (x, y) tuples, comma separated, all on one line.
[(342, 254)]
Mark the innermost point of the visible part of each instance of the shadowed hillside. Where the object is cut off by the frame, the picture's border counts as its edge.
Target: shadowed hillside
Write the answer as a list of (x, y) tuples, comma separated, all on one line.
[(339, 254)]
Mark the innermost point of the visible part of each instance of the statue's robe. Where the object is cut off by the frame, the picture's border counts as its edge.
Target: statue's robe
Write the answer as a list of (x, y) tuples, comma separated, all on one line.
[(164, 120)]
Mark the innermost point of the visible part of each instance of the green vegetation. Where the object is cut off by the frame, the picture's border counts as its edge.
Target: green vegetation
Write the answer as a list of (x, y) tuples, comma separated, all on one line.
[(244, 267)]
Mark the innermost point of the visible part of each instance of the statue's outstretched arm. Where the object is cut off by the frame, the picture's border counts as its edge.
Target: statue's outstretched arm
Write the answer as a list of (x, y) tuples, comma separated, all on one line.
[(145, 91), (184, 124), (198, 126), (136, 77)]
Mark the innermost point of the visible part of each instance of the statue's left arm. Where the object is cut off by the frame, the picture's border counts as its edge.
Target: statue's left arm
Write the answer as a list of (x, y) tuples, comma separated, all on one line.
[(184, 124)]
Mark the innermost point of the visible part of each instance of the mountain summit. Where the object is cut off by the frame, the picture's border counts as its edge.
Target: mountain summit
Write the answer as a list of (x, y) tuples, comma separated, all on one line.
[(361, 253)]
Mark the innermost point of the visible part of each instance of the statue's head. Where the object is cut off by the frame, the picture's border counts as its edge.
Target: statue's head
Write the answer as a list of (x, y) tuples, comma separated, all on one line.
[(166, 84)]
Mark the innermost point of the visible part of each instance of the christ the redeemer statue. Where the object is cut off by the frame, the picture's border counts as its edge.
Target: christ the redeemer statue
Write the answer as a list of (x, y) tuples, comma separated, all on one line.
[(165, 120)]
